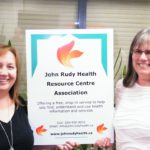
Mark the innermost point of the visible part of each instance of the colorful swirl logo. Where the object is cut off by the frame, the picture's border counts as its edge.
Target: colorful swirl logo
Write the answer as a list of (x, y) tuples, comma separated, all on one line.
[(64, 54)]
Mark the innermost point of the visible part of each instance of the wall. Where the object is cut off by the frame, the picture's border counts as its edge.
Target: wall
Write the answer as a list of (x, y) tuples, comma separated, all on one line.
[(18, 15), (126, 17)]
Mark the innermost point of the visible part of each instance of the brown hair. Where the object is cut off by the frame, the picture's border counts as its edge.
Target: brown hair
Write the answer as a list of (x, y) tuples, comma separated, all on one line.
[(14, 89), (139, 39)]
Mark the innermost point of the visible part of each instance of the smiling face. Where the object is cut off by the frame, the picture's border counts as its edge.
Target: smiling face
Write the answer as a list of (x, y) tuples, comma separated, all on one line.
[(141, 61), (8, 71)]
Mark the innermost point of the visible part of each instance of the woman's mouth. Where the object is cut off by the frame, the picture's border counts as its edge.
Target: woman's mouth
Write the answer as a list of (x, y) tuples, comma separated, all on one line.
[(144, 65)]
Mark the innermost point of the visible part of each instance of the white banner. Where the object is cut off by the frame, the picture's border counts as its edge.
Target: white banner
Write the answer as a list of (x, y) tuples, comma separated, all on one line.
[(70, 85)]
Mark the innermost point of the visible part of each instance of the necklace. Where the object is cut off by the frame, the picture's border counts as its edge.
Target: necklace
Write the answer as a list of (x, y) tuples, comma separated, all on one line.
[(10, 142)]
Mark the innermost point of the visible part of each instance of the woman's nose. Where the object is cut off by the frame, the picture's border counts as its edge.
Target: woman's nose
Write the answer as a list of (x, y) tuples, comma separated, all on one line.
[(143, 56)]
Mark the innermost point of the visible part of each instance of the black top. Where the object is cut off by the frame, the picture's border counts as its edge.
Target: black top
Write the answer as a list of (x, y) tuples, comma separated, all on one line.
[(22, 133)]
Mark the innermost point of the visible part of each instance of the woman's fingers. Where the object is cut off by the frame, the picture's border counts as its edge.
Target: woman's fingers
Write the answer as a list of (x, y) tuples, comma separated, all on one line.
[(103, 143), (68, 145), (73, 144)]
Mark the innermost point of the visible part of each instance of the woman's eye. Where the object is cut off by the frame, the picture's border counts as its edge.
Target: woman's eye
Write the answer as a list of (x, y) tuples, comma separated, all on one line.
[(148, 52), (138, 52), (11, 67)]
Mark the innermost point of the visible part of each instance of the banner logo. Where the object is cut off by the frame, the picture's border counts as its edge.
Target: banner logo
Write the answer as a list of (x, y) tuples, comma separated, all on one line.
[(64, 54)]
